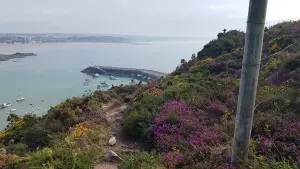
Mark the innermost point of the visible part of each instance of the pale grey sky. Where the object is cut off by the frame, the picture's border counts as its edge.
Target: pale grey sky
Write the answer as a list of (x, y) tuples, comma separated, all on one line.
[(189, 18)]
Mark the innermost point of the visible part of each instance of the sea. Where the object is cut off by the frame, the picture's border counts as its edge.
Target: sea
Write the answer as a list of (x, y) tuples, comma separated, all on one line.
[(54, 74)]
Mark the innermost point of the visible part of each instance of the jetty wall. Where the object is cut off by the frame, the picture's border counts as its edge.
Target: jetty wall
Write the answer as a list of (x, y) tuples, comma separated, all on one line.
[(141, 74)]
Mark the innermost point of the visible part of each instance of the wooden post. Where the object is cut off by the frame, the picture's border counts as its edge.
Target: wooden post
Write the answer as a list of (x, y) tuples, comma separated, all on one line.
[(249, 79)]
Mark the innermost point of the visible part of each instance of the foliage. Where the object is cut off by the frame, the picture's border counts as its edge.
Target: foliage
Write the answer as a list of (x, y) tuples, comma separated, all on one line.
[(187, 118), (18, 149), (224, 44), (143, 160), (138, 118), (78, 131)]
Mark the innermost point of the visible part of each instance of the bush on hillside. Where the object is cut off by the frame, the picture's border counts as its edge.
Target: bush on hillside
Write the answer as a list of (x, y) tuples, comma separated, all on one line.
[(224, 44)]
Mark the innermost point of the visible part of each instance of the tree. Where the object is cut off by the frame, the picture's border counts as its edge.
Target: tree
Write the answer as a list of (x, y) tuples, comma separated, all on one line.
[(193, 56), (224, 30), (182, 61), (12, 117)]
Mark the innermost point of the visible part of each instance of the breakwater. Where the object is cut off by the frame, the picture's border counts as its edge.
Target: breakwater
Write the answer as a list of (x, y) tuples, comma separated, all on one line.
[(140, 74), (5, 57)]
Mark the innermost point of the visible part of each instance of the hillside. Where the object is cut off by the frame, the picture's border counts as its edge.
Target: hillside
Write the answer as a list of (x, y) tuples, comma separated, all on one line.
[(185, 120)]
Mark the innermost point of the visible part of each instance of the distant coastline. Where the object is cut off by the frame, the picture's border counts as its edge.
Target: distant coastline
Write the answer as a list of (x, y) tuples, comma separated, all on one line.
[(6, 57), (48, 38), (60, 43)]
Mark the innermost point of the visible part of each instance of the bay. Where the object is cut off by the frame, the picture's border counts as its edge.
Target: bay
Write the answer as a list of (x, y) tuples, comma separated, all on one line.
[(54, 75)]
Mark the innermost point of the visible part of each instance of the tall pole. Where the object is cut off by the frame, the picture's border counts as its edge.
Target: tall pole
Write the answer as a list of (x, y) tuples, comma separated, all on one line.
[(249, 79)]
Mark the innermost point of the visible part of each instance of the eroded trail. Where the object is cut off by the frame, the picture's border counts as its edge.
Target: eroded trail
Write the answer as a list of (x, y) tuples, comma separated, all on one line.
[(114, 116)]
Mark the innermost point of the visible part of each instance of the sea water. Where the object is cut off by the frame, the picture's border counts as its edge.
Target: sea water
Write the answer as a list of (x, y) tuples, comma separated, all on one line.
[(54, 74)]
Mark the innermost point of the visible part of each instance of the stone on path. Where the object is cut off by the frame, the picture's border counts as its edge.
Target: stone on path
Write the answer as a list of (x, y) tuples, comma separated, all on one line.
[(111, 156), (112, 141)]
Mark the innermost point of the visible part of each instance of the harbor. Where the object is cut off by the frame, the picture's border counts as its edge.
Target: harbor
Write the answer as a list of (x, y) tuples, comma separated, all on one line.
[(139, 74)]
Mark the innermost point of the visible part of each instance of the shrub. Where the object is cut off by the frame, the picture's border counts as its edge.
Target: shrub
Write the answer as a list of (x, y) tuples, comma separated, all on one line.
[(85, 159), (16, 162), (43, 157), (143, 160), (19, 149), (36, 136), (138, 118)]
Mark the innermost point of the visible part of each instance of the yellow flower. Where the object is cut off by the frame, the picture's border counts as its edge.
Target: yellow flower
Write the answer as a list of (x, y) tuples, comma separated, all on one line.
[(207, 59), (180, 84)]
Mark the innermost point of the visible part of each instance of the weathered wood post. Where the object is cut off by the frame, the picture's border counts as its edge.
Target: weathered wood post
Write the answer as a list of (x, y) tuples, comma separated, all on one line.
[(249, 79)]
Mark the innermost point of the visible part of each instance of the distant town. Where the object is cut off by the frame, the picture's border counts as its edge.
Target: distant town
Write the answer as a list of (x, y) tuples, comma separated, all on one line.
[(45, 38), (35, 38)]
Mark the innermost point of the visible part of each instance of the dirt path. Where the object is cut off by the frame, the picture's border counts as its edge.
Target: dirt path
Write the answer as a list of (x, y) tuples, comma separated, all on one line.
[(115, 117)]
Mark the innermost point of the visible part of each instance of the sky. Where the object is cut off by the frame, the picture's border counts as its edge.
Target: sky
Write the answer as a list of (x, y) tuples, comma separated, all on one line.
[(179, 18)]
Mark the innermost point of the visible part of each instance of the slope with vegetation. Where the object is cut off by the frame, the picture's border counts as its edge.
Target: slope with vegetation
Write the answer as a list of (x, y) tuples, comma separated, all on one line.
[(185, 120)]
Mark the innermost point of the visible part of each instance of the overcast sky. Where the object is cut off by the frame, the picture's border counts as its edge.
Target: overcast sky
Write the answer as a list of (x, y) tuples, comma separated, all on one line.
[(189, 18)]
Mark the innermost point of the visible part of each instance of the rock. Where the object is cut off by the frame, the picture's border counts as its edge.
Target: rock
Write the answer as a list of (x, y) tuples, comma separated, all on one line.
[(111, 156), (127, 99), (112, 141)]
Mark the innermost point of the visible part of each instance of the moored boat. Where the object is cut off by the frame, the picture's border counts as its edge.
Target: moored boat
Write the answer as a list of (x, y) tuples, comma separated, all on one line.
[(103, 84), (113, 78), (95, 75), (4, 105), (20, 99), (87, 81)]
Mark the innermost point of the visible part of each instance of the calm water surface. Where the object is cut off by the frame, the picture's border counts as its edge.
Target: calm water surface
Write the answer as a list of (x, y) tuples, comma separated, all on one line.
[(54, 75)]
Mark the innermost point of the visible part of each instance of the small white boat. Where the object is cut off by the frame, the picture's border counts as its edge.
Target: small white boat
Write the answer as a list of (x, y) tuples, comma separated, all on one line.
[(20, 99), (4, 105), (87, 81), (12, 110), (113, 78), (95, 75), (103, 84)]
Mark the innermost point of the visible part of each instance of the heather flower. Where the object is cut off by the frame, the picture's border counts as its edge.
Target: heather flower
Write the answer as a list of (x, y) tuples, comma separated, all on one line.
[(177, 123), (238, 71), (172, 159), (205, 137), (278, 78), (284, 141), (214, 106)]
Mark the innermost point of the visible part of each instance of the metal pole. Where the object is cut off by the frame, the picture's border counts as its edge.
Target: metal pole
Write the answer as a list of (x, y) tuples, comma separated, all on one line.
[(248, 84)]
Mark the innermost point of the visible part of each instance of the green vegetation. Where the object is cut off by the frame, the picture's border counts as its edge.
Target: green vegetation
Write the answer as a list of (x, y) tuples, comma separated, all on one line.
[(142, 160), (185, 120)]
